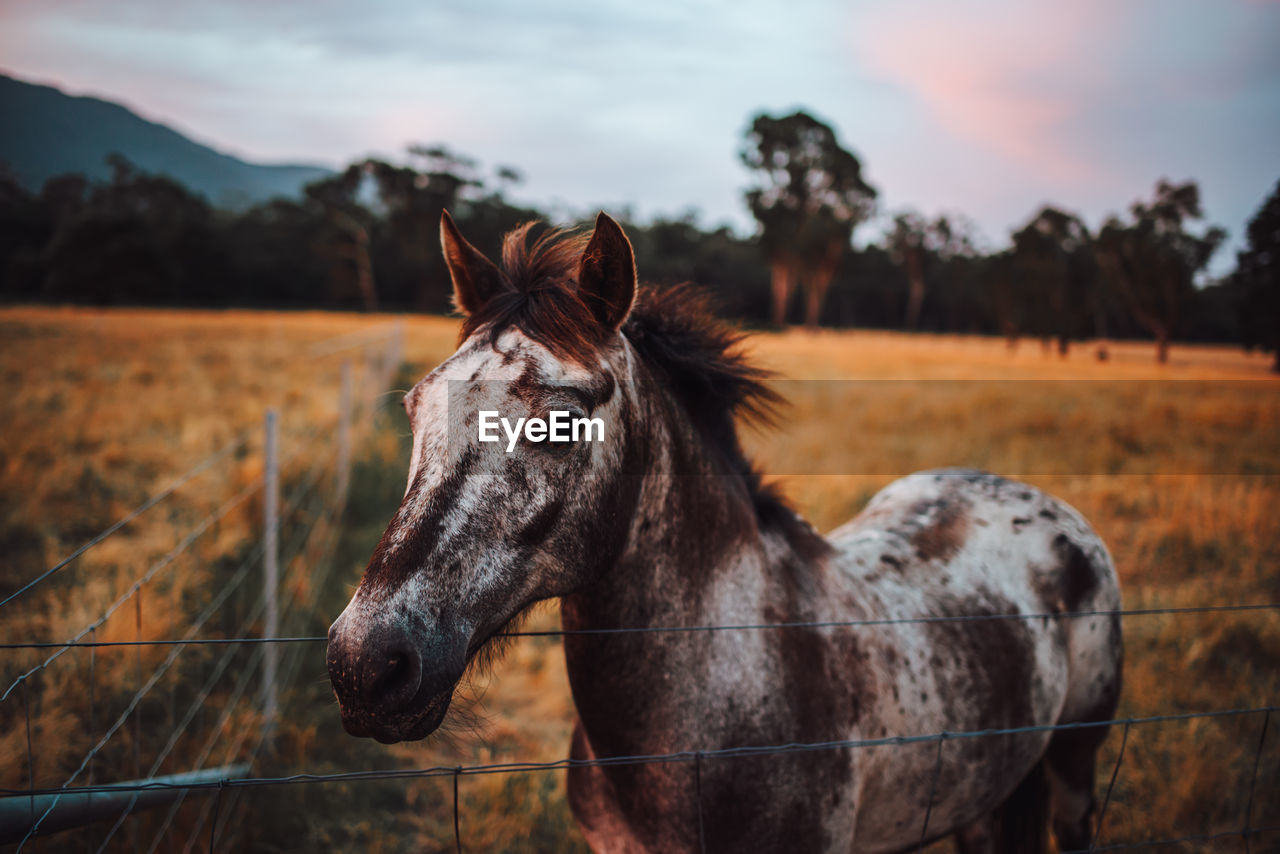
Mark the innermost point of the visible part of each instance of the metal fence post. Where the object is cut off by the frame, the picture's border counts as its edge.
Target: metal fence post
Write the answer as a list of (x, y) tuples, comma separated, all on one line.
[(270, 566)]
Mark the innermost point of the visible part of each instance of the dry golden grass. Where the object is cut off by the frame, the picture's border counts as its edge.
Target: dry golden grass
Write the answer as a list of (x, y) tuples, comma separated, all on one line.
[(1177, 466), (100, 410)]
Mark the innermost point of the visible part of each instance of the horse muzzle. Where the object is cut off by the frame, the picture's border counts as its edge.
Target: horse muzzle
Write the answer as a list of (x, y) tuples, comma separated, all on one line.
[(393, 678)]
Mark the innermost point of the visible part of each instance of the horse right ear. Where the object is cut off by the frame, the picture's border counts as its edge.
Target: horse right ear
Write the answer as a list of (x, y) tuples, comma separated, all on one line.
[(475, 278), (607, 273)]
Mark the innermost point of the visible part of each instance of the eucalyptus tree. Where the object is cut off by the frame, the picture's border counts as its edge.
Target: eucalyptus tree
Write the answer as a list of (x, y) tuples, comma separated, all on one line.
[(1257, 275), (925, 248), (345, 239), (1055, 253), (809, 198), (140, 237), (1153, 259), (1006, 296)]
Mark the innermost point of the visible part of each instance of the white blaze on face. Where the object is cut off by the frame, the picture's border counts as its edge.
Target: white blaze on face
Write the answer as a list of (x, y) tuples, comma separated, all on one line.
[(443, 404)]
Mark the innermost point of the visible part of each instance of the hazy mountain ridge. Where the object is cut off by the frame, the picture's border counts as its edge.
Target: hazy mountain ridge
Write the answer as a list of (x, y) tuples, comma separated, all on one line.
[(45, 132)]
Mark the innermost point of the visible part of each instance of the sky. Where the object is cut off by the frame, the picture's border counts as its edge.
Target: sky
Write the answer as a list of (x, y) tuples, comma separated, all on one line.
[(986, 108)]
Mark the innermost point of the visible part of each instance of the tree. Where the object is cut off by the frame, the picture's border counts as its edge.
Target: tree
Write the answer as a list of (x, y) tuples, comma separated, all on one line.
[(810, 199), (508, 177), (906, 244), (1257, 276), (346, 242), (412, 201), (25, 228), (140, 238), (957, 274), (917, 244), (1153, 260), (1006, 295), (1054, 252), (281, 255)]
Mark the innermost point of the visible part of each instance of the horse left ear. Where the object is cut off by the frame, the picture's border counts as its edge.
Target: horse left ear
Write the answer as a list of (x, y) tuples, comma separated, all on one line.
[(607, 273), (475, 278)]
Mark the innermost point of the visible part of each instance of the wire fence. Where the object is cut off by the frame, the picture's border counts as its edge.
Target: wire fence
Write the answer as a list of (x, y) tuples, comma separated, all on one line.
[(220, 716), (234, 723)]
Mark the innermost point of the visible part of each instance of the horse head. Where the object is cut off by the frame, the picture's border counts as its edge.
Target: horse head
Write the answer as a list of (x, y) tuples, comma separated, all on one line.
[(489, 527)]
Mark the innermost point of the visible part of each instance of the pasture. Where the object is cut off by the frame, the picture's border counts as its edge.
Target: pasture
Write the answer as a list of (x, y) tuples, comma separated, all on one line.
[(1177, 467)]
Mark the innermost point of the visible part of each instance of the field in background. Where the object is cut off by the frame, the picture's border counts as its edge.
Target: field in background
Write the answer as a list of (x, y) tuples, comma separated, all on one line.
[(1177, 466)]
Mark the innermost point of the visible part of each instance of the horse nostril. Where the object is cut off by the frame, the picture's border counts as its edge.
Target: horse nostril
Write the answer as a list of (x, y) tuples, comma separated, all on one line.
[(395, 680)]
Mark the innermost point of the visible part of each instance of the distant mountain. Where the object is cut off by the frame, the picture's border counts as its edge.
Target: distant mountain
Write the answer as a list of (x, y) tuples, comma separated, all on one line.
[(44, 132)]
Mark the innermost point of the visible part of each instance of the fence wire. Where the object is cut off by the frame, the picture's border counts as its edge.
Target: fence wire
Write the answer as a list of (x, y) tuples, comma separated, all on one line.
[(682, 756), (183, 544), (310, 512), (317, 536), (701, 756), (247, 674), (732, 627), (155, 499), (155, 677)]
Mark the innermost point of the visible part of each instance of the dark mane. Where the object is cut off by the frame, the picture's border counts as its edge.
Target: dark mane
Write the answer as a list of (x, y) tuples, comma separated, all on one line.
[(672, 328), (676, 333), (701, 360)]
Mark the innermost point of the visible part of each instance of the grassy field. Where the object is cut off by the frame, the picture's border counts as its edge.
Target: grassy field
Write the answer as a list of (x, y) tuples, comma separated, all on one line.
[(1177, 466)]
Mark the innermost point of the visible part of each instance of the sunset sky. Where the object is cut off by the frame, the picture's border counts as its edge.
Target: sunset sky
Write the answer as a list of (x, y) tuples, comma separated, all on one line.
[(987, 108)]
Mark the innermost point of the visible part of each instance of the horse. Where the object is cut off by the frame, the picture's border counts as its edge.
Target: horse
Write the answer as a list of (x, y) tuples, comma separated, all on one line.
[(663, 522)]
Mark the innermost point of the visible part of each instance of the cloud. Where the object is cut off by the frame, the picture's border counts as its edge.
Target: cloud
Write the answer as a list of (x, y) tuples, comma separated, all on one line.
[(1085, 104), (1004, 75), (990, 106)]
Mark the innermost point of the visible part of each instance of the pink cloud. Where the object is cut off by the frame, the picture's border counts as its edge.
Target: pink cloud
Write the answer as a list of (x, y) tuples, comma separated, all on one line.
[(1003, 75)]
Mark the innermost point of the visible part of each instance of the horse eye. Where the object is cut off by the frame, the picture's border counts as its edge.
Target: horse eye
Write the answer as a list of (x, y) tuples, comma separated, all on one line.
[(560, 449)]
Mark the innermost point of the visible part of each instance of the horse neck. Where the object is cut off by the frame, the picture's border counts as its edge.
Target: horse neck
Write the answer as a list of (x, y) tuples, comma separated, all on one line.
[(694, 525), (697, 554)]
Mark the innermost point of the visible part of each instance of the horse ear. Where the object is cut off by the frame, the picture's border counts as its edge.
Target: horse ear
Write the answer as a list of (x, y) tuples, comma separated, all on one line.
[(475, 278), (607, 273)]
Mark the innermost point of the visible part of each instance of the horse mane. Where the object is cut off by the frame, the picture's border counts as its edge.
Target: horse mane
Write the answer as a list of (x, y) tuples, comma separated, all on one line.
[(675, 332), (673, 329)]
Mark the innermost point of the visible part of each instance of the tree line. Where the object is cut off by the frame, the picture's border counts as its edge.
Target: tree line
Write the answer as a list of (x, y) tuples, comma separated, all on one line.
[(364, 238), (1055, 280)]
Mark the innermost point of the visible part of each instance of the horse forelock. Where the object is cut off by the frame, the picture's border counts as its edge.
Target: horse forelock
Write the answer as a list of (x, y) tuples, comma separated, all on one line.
[(674, 328), (540, 296)]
